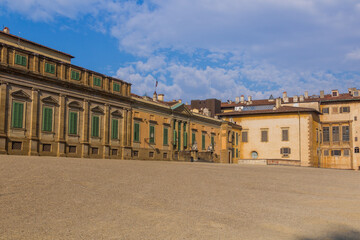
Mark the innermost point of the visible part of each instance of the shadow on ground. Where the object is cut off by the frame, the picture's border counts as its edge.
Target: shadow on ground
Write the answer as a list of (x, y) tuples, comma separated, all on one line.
[(337, 235)]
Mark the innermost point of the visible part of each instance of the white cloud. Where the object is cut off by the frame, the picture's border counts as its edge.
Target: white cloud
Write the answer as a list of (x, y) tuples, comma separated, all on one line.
[(353, 55)]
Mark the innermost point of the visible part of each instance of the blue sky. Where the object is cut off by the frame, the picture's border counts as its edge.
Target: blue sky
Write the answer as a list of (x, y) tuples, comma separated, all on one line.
[(201, 49)]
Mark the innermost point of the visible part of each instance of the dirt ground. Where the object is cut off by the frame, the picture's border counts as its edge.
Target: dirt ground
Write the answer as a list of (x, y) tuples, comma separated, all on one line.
[(63, 198)]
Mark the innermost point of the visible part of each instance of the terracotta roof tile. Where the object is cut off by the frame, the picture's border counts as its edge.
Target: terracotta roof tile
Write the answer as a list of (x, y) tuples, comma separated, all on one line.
[(283, 109)]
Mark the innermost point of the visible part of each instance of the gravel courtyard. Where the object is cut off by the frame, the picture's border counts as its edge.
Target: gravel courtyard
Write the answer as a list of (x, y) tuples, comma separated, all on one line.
[(63, 198)]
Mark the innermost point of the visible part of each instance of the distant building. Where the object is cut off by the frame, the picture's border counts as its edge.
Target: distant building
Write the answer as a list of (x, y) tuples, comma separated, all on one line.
[(208, 107)]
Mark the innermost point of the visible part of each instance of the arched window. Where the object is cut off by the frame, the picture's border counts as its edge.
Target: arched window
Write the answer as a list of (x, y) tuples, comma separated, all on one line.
[(254, 155)]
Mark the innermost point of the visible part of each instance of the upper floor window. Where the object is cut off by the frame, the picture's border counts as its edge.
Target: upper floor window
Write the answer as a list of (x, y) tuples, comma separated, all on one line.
[(346, 133), (73, 122), (264, 135), (20, 60), (115, 128), (326, 134), (325, 110), (47, 119), (244, 136), (17, 115), (49, 68), (335, 110), (152, 134), (97, 81), (345, 109), (335, 133), (335, 152), (285, 134), (136, 132), (75, 75), (95, 126), (116, 87)]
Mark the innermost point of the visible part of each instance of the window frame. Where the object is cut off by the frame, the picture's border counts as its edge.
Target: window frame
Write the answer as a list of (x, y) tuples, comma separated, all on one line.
[(43, 129), (166, 136), (71, 112), (49, 68), (245, 136), (75, 75), (22, 60), (136, 137), (152, 139), (97, 81), (114, 134), (282, 134), (264, 138)]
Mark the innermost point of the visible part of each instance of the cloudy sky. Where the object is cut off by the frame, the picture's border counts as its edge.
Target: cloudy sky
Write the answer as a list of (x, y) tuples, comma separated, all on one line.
[(200, 49)]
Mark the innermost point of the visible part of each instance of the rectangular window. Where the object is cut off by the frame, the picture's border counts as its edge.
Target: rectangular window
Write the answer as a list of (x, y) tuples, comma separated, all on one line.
[(325, 110), (114, 152), (285, 151), (165, 155), (346, 152), (75, 75), (151, 154), (17, 115), (49, 68), (175, 137), (326, 152), (212, 140), (232, 152), (95, 151), (97, 81), (16, 145), (72, 149), (20, 60), (136, 132), (135, 153), (264, 135), (346, 133), (114, 128), (335, 152), (335, 134), (73, 116), (244, 137), (326, 134), (116, 87), (46, 148), (166, 136), (335, 110), (95, 124), (203, 142), (193, 138), (152, 134), (237, 139), (344, 109), (237, 153), (47, 119), (285, 134)]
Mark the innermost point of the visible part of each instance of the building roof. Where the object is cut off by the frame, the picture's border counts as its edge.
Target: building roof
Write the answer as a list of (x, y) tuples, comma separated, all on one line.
[(282, 109), (253, 103), (34, 43)]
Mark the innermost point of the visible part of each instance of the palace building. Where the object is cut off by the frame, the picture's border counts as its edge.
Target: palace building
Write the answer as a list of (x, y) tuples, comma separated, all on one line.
[(50, 107)]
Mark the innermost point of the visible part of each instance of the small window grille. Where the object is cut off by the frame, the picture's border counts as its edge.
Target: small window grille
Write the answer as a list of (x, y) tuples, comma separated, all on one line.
[(356, 150), (285, 151), (336, 153), (16, 145), (135, 153), (325, 110), (165, 155), (72, 149), (346, 152), (46, 147), (114, 152), (95, 151), (151, 154)]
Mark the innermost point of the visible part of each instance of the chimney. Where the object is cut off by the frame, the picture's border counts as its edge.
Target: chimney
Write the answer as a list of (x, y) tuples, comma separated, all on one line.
[(180, 101), (322, 94), (155, 96), (306, 94), (237, 99), (6, 30), (285, 97), (161, 97), (249, 99), (295, 98), (277, 103), (242, 99), (301, 98)]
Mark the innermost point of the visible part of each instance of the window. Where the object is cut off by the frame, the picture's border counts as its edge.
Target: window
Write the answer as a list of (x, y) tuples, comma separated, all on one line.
[(114, 152), (335, 134), (95, 124), (175, 137), (46, 148), (356, 139), (166, 136), (75, 75), (151, 154), (193, 138), (285, 151), (356, 150), (203, 141), (97, 81), (325, 110), (135, 153), (232, 152), (244, 137), (237, 153), (72, 149), (346, 152), (17, 115), (344, 109), (334, 93), (95, 151), (335, 110), (355, 118), (47, 119), (237, 139), (73, 116), (326, 134), (346, 133), (264, 135), (212, 140), (20, 60), (165, 155), (136, 132), (285, 134), (317, 135), (114, 128), (16, 145), (185, 136), (254, 155), (326, 152), (49, 68), (335, 152), (152, 134), (116, 87)]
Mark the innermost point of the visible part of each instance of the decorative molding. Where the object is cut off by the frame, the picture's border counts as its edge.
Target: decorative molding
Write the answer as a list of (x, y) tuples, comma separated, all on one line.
[(21, 94), (97, 109), (50, 100), (116, 113), (75, 104)]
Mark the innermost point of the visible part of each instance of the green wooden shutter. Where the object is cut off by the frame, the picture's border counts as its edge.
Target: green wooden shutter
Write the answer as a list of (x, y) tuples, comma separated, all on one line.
[(17, 59), (136, 132), (23, 60), (73, 122), (185, 139), (95, 126), (212, 140), (17, 115), (47, 119), (165, 136), (152, 134), (175, 138), (52, 68), (193, 138), (203, 142), (115, 129)]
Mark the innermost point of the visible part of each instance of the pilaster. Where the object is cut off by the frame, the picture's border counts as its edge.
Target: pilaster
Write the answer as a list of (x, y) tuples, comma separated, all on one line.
[(129, 123), (61, 130), (85, 130), (4, 53), (3, 118), (34, 123)]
